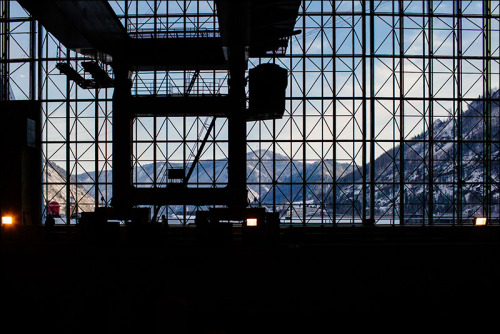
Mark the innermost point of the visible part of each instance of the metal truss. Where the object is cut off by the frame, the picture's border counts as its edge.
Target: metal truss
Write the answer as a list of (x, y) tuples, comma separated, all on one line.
[(392, 113)]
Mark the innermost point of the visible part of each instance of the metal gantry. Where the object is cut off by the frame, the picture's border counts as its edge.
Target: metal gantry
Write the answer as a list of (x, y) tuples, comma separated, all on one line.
[(392, 113)]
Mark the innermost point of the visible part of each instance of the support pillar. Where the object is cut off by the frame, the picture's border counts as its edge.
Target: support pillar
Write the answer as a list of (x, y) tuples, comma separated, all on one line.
[(236, 41), (122, 140), (237, 129)]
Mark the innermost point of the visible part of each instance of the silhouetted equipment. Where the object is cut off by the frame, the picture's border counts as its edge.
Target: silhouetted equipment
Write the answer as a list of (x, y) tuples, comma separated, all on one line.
[(73, 75), (87, 27), (217, 224), (192, 82), (180, 105), (176, 174), (267, 89), (103, 224), (314, 278), (200, 151), (49, 222), (93, 29), (20, 169), (246, 29), (100, 76), (53, 209), (268, 24)]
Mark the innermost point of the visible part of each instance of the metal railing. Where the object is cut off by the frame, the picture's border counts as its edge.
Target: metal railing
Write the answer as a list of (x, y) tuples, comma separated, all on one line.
[(152, 33)]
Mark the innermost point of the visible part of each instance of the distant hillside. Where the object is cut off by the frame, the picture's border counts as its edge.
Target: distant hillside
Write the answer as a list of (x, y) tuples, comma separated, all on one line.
[(55, 190), (259, 174), (444, 171), (261, 165)]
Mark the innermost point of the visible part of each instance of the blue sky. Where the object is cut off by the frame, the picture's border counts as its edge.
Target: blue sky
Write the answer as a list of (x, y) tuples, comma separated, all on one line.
[(316, 27)]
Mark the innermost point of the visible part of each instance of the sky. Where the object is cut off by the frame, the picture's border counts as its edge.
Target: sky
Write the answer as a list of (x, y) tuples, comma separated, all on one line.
[(319, 80)]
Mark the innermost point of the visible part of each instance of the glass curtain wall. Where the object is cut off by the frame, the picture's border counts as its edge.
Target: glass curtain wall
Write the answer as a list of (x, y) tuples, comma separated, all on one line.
[(392, 113)]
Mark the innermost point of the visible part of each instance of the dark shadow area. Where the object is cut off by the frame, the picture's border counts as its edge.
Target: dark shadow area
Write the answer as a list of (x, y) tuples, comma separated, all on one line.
[(307, 280)]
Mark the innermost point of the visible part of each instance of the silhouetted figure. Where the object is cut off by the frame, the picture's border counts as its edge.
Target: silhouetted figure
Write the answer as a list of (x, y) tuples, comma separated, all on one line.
[(164, 220), (49, 222)]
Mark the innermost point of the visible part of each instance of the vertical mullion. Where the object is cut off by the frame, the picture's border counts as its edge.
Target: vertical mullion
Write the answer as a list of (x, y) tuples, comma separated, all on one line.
[(372, 111), (126, 14), (185, 144), (304, 130), (364, 109), (322, 166), (32, 82), (487, 105), (6, 51), (354, 112), (106, 147), (431, 107), (75, 197), (3, 49), (430, 10), (155, 91), (166, 117), (96, 147), (45, 95), (454, 118), (401, 115), (67, 139), (39, 98), (273, 180), (458, 12), (394, 124), (424, 183), (334, 116)]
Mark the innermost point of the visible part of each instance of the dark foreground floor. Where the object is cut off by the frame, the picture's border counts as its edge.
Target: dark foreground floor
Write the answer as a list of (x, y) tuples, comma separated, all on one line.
[(305, 281)]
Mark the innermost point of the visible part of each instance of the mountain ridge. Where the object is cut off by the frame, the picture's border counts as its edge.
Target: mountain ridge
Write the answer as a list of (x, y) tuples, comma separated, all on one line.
[(418, 172)]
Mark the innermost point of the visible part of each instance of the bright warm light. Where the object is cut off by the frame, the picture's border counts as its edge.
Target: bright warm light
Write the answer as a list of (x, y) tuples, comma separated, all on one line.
[(480, 221), (6, 220), (251, 221)]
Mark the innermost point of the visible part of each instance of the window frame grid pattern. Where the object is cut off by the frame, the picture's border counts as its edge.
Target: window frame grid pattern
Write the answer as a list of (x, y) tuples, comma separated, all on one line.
[(402, 79)]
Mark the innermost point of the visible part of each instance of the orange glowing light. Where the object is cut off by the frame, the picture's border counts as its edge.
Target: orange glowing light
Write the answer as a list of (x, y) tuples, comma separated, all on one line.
[(6, 220), (251, 221), (480, 221)]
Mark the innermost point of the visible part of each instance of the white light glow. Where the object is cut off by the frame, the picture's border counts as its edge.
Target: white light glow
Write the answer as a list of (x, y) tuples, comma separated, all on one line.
[(251, 221), (6, 220), (480, 221)]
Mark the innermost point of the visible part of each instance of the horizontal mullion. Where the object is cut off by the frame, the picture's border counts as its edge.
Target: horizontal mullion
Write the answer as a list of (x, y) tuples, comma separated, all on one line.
[(162, 15), (291, 55), (395, 14), (71, 142), (325, 13), (396, 56), (424, 182), (72, 99), (303, 140), (387, 98), (395, 141)]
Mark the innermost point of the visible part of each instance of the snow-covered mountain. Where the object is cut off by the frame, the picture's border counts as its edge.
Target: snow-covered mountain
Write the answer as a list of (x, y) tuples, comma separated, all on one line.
[(54, 189), (453, 152), (261, 165), (455, 147)]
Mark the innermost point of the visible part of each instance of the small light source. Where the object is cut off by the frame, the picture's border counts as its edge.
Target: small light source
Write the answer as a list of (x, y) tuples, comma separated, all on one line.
[(251, 221), (480, 221), (6, 220)]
